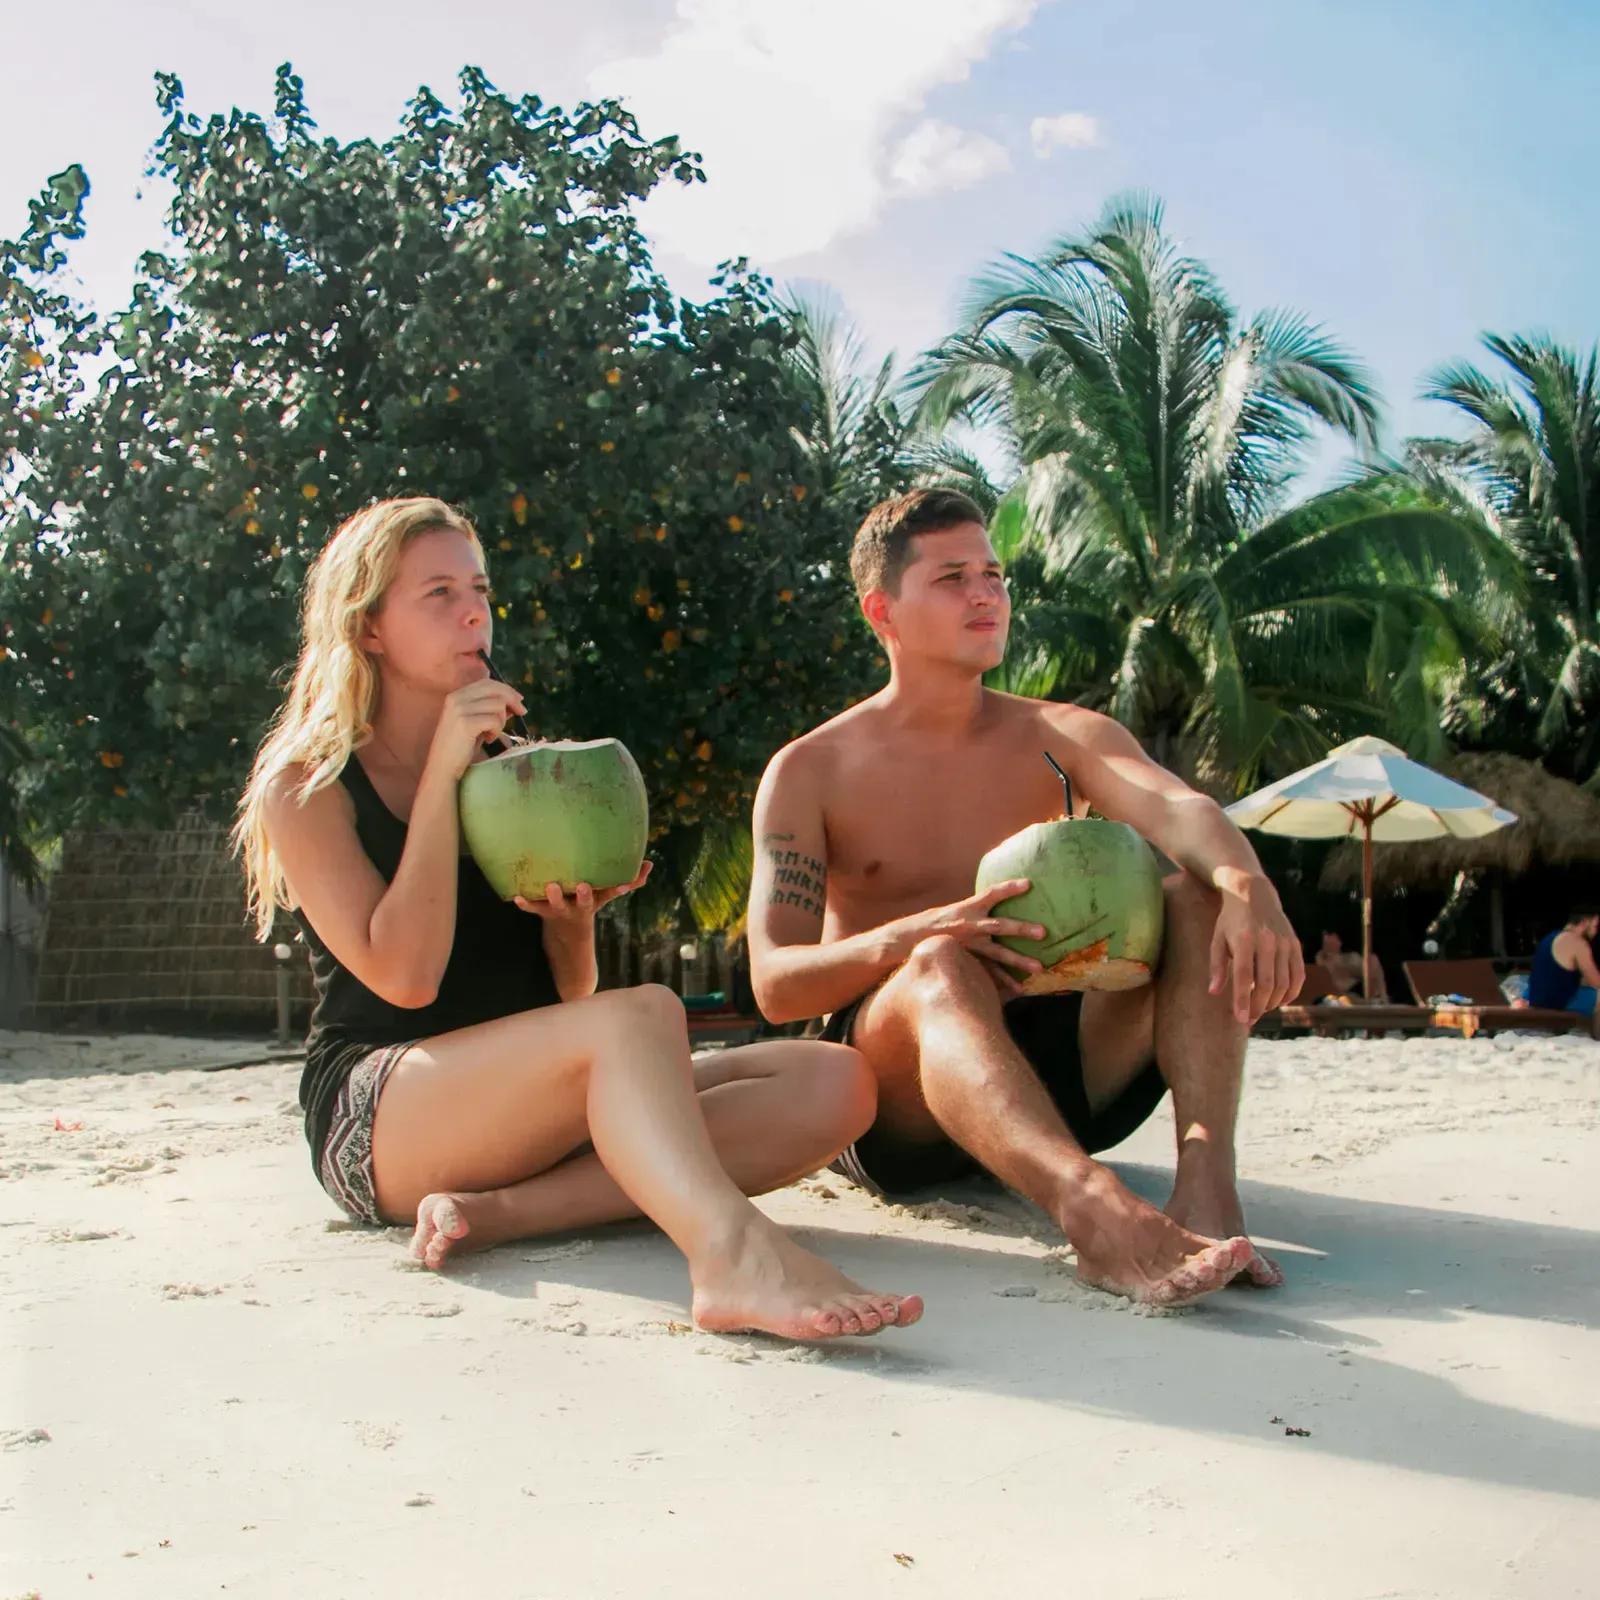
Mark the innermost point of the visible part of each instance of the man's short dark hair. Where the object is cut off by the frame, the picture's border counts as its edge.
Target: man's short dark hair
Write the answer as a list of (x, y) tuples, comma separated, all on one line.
[(882, 549), (1582, 912)]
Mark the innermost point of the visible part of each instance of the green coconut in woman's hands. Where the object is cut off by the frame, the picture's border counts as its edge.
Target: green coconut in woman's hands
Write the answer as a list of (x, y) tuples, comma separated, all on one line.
[(1095, 888), (559, 812)]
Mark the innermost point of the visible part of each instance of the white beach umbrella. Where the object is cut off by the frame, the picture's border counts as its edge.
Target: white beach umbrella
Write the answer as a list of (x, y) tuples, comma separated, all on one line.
[(1373, 790)]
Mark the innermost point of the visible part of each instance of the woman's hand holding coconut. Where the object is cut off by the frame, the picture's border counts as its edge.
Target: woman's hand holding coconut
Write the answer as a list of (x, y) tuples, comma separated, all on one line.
[(559, 909), (569, 929)]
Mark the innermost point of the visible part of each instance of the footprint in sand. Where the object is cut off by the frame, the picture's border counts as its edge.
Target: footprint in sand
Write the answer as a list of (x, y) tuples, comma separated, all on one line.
[(81, 1235), (16, 1438), (189, 1291), (561, 1252)]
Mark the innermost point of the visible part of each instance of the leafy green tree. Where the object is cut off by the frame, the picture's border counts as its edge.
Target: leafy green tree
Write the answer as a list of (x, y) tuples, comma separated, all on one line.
[(853, 434), (1535, 449), (1160, 569), (466, 309)]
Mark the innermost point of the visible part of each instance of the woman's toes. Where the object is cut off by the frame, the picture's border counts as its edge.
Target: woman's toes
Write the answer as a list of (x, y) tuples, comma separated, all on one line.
[(849, 1322), (868, 1315)]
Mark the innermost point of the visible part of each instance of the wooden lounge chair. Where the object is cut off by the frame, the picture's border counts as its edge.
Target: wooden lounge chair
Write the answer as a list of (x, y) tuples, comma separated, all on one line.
[(1305, 1011), (725, 1024), (1488, 1011)]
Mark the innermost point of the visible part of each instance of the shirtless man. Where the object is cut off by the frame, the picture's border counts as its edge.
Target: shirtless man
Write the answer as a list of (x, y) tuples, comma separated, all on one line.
[(1344, 969), (868, 834)]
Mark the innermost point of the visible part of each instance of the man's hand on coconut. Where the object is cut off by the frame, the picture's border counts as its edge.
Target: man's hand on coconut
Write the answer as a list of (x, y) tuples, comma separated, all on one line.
[(579, 907), (972, 923), (1254, 950)]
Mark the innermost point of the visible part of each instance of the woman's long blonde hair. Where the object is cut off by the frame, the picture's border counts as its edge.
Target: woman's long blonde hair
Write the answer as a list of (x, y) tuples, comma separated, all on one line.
[(333, 697)]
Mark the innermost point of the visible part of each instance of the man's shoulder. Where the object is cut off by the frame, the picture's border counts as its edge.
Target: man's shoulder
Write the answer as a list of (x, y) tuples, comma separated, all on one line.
[(1077, 724), (824, 745)]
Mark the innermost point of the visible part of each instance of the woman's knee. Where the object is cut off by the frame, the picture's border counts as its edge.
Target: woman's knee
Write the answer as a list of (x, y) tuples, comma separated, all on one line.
[(847, 1090), (647, 1009)]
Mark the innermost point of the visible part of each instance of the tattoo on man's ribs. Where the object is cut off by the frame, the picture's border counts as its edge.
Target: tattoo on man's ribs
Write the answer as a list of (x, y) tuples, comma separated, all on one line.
[(798, 879)]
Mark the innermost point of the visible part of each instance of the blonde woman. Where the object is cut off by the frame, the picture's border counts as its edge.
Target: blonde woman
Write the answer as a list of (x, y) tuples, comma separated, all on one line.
[(460, 1067)]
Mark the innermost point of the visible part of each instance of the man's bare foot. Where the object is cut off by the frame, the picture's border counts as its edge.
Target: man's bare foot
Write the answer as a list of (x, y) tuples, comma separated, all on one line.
[(762, 1281), (442, 1223), (1126, 1246), (1214, 1210)]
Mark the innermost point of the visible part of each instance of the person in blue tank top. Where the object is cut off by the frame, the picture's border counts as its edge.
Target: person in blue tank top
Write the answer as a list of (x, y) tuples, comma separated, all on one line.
[(461, 1070), (1564, 976)]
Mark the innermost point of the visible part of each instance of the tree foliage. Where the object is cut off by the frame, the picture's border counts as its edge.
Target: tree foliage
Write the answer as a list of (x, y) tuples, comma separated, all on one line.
[(466, 309), (1534, 449), (1161, 570)]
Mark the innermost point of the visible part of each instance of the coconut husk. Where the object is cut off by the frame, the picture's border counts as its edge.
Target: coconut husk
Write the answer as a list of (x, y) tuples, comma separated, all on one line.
[(1557, 824)]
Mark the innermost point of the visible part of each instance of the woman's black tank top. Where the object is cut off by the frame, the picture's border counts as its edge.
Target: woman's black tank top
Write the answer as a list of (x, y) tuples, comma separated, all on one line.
[(497, 966)]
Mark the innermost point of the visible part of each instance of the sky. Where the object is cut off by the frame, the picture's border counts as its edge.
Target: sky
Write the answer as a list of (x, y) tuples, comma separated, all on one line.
[(1409, 175)]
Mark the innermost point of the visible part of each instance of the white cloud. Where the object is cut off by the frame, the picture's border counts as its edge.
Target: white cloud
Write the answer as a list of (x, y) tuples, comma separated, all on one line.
[(935, 156), (1072, 130), (796, 114)]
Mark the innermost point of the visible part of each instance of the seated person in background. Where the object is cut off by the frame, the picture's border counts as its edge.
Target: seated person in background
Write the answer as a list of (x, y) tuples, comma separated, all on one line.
[(1344, 970), (1564, 976)]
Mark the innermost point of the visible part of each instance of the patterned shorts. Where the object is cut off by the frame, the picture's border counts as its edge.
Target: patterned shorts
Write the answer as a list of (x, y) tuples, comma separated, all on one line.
[(346, 1165)]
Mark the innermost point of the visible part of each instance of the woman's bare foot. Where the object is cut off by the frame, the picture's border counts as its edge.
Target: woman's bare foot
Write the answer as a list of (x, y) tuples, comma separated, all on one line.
[(762, 1281), (442, 1223), (1126, 1246), (1214, 1211)]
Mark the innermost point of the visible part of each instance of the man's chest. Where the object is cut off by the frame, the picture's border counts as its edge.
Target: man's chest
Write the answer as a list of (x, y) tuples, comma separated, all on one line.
[(919, 840)]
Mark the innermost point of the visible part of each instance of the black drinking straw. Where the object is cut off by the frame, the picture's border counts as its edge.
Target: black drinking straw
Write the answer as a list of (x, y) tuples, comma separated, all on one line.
[(1066, 782), (500, 677)]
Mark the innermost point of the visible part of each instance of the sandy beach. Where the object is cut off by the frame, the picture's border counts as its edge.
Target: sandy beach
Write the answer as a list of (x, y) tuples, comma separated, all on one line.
[(212, 1382)]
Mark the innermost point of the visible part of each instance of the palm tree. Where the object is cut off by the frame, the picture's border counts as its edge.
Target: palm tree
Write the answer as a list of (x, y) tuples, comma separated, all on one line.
[(1535, 447), (1161, 571), (848, 421)]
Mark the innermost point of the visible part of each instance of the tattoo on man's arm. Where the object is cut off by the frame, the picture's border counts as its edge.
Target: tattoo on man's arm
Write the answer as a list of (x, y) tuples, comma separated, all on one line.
[(798, 879)]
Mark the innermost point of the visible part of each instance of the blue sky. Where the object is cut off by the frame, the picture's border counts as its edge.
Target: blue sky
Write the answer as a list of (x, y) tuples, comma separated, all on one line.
[(1409, 175)]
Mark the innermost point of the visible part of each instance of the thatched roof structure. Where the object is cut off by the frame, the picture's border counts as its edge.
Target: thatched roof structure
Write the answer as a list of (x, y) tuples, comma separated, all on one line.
[(1558, 824)]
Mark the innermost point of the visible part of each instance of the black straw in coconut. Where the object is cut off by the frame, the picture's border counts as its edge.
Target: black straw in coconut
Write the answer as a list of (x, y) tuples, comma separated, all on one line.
[(500, 677), (1066, 782)]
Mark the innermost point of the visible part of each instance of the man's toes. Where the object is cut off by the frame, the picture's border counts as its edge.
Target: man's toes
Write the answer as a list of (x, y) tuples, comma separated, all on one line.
[(1199, 1275), (908, 1310), (1261, 1272)]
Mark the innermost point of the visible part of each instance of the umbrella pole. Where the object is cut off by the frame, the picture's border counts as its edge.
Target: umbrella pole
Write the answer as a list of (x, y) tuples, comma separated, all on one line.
[(1366, 906)]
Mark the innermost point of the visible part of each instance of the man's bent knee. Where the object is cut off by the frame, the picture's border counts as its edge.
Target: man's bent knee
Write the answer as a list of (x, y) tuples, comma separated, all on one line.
[(1189, 901), (940, 961)]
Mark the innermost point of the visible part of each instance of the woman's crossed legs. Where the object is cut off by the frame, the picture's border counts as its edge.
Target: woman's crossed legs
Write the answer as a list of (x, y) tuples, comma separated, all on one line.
[(591, 1111)]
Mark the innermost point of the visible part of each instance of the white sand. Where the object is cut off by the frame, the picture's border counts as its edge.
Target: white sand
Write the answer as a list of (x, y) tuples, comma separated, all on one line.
[(210, 1382)]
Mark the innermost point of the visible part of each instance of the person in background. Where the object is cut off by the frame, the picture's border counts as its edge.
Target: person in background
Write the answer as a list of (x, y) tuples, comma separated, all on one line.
[(1564, 976), (1344, 970)]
